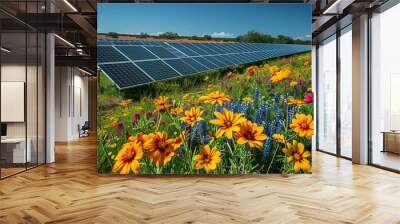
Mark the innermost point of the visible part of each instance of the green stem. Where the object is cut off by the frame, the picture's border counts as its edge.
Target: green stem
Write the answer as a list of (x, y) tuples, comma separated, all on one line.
[(272, 160)]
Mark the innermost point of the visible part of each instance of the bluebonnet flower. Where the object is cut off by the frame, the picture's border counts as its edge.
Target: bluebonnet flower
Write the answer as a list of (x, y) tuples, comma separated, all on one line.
[(256, 96), (203, 128), (267, 147)]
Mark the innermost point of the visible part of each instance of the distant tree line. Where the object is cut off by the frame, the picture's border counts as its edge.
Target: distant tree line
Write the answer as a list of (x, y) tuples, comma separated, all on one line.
[(249, 37), (257, 37)]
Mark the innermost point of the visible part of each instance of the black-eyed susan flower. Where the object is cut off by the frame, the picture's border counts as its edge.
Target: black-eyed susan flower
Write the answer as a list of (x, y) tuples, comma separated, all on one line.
[(279, 138), (208, 158), (228, 122), (295, 152), (139, 137), (128, 158), (162, 103), (192, 116), (251, 70), (274, 69), (176, 111), (295, 102), (303, 125), (160, 148), (280, 76), (252, 134), (125, 103), (215, 97)]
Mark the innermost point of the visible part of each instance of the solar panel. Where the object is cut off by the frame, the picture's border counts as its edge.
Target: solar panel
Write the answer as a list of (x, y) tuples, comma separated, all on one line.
[(161, 52), (216, 61), (210, 65), (125, 74), (195, 64), (184, 49), (181, 66), (109, 54), (137, 62), (158, 69), (136, 52)]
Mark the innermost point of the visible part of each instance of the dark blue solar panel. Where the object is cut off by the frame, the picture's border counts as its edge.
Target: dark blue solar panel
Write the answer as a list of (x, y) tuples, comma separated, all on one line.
[(161, 52), (218, 49), (196, 48), (109, 54), (224, 60), (207, 47), (104, 42), (157, 69), (125, 74), (216, 61), (195, 64), (180, 66), (136, 52), (232, 58), (179, 58), (207, 63), (183, 49)]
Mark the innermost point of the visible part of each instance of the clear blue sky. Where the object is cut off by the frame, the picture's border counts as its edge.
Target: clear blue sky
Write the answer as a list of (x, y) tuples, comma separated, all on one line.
[(227, 20)]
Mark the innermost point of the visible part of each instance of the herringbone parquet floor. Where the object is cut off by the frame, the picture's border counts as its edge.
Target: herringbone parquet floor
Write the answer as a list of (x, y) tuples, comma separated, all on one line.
[(70, 191)]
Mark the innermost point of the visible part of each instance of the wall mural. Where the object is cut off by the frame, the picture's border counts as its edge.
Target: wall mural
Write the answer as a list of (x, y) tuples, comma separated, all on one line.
[(187, 94)]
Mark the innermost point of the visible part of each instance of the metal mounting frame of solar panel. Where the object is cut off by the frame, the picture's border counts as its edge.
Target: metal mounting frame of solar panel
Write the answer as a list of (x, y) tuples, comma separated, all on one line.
[(207, 53)]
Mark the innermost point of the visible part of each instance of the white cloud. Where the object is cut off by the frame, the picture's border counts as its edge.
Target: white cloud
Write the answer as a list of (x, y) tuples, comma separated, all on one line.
[(157, 34), (305, 37), (222, 34)]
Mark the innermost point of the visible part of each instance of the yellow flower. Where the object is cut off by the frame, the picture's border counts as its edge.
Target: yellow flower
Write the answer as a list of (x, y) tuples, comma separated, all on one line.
[(207, 158), (128, 158), (266, 67), (251, 134), (113, 145), (280, 76), (206, 78), (192, 116), (293, 83), (274, 69), (229, 123), (303, 125), (125, 103), (247, 99), (176, 111), (251, 70), (295, 152), (140, 138), (295, 102), (185, 97), (162, 103), (181, 138), (161, 149), (215, 97), (279, 138)]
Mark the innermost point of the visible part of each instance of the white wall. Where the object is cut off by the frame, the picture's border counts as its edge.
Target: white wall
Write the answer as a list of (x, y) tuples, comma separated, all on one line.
[(71, 94)]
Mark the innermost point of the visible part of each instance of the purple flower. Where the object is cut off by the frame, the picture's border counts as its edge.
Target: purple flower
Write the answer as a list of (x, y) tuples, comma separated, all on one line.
[(119, 127)]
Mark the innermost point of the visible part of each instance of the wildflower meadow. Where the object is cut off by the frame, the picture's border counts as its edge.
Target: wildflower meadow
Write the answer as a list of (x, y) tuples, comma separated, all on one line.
[(250, 119)]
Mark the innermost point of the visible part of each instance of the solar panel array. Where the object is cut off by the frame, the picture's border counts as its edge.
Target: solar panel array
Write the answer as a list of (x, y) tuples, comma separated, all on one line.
[(134, 63)]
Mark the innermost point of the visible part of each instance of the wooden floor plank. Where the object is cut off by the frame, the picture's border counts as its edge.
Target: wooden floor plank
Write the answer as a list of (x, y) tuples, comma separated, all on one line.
[(70, 191)]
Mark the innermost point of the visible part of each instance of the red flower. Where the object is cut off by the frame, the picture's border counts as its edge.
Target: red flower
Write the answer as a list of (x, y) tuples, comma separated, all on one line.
[(149, 114), (309, 98), (136, 118), (119, 127)]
